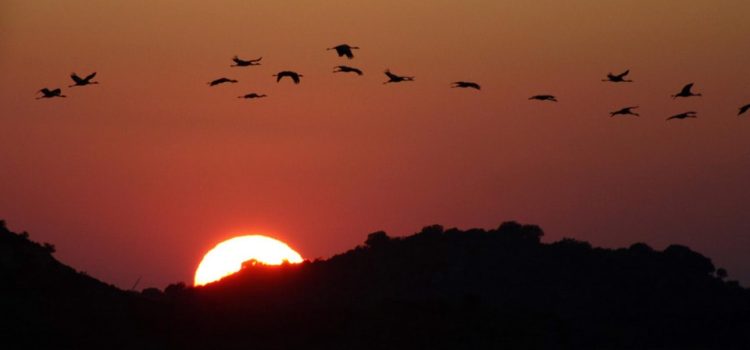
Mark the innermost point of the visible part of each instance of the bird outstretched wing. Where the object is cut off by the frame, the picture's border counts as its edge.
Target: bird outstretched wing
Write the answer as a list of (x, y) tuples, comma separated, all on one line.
[(218, 81), (391, 75), (686, 89), (90, 76), (76, 78)]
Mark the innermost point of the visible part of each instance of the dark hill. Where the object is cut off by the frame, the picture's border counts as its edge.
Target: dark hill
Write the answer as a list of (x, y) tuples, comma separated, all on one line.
[(45, 304), (439, 288)]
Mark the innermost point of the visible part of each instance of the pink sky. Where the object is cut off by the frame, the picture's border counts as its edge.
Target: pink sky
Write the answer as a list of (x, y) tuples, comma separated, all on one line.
[(143, 173)]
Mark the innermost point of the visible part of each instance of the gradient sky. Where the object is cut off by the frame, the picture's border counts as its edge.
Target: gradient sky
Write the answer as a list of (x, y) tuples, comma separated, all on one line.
[(142, 174)]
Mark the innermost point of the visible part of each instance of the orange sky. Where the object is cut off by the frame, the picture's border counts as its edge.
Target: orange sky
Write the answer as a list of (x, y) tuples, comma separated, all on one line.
[(142, 174)]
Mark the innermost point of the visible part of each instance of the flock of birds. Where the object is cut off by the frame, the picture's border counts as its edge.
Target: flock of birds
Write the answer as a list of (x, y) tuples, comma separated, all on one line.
[(345, 50)]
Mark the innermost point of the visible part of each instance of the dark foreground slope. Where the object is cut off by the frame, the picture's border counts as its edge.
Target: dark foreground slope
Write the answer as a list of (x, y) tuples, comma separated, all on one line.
[(436, 289), (45, 304)]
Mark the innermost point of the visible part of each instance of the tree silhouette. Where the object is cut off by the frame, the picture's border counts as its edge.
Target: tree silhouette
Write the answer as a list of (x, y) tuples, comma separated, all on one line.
[(377, 239), (516, 231)]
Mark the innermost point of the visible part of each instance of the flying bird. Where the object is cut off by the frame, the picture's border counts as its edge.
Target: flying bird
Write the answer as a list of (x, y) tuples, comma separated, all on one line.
[(683, 115), (244, 63), (744, 109), (347, 69), (619, 78), (543, 98), (686, 92), (47, 93), (625, 111), (293, 75), (251, 95), (393, 78), (465, 84), (82, 81), (221, 81), (344, 50)]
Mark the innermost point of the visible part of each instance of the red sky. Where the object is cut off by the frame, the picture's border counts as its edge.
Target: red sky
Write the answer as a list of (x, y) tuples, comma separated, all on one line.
[(143, 173)]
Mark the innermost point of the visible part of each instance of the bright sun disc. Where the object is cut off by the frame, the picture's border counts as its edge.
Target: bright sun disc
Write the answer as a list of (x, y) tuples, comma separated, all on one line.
[(227, 257)]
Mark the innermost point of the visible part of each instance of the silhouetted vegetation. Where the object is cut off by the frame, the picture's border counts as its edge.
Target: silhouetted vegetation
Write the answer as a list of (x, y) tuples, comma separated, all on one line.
[(439, 288)]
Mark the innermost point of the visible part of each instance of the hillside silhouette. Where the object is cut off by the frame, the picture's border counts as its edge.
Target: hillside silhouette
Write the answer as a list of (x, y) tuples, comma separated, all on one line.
[(438, 288)]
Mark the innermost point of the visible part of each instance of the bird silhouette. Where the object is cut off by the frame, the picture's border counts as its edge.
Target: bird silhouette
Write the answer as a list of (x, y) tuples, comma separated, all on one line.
[(685, 115), (47, 93), (744, 109), (625, 111), (619, 78), (78, 81), (543, 98), (344, 50), (221, 81), (347, 69), (686, 92), (393, 78), (287, 73), (244, 63), (251, 95), (465, 84)]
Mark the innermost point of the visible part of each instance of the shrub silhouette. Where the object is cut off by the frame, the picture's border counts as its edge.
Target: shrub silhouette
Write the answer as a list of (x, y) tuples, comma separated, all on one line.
[(175, 290), (50, 248)]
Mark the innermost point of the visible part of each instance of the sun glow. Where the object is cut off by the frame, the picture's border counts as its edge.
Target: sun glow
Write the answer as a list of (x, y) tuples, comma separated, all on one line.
[(227, 257)]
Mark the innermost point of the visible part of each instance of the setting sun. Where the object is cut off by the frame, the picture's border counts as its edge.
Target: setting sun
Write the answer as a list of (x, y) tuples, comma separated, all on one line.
[(227, 257)]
